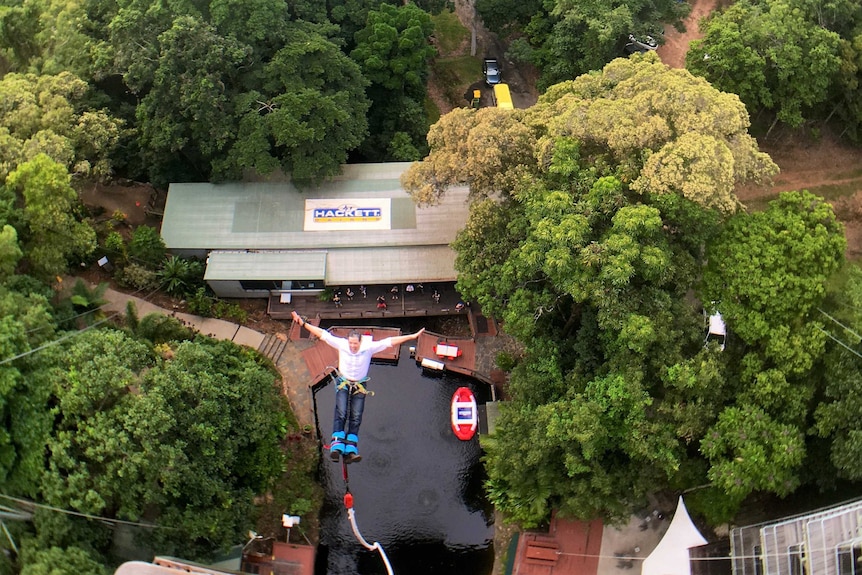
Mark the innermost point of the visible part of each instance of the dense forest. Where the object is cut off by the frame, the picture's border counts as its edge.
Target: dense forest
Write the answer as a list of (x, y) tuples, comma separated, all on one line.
[(603, 228)]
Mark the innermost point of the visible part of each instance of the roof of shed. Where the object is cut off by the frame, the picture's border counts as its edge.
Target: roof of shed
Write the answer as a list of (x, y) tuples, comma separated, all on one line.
[(271, 215), (266, 265)]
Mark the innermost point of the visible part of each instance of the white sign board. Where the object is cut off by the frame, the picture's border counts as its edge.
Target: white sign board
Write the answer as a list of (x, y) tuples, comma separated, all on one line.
[(352, 214)]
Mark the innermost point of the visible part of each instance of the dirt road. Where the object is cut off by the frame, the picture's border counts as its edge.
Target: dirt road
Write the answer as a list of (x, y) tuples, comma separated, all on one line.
[(676, 43)]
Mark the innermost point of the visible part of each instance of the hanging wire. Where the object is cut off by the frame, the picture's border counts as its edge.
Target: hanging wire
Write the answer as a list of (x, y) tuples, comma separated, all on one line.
[(859, 337), (84, 515), (841, 343), (58, 340), (75, 333)]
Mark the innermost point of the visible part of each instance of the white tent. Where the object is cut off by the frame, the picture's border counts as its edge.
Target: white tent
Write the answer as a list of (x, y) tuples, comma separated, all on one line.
[(671, 557)]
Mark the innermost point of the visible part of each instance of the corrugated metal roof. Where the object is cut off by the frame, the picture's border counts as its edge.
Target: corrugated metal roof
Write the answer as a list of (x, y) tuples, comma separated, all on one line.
[(390, 265), (266, 265), (258, 216)]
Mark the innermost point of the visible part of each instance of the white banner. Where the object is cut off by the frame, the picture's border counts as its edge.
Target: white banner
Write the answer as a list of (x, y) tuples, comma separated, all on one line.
[(353, 214)]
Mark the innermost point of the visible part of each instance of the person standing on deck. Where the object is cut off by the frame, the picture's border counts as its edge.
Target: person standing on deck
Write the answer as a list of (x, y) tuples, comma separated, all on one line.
[(354, 361)]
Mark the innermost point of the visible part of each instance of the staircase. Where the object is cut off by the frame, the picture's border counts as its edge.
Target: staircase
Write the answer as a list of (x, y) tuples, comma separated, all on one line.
[(273, 346)]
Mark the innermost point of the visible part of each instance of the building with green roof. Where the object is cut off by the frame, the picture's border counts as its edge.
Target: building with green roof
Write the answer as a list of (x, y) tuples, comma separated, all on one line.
[(263, 238)]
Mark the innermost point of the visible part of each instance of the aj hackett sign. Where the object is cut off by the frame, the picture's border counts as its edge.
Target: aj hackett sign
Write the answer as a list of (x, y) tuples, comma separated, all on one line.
[(348, 214)]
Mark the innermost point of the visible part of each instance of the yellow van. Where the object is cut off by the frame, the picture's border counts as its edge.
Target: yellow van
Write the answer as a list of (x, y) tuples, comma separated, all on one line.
[(502, 97)]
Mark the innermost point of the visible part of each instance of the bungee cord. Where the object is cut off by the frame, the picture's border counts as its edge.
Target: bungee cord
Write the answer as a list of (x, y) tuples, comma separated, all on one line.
[(351, 516), (348, 496)]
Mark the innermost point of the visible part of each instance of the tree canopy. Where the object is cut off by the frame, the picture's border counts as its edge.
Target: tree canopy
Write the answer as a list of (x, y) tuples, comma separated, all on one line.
[(565, 39), (663, 130), (783, 56), (42, 115), (52, 234), (595, 216), (186, 441)]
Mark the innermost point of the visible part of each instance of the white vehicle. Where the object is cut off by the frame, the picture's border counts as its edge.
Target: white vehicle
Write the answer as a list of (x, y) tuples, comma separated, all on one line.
[(716, 330)]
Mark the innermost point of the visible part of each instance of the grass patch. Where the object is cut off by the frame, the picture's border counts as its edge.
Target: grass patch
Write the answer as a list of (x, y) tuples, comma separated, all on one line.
[(432, 112), (829, 192), (455, 75), (449, 31)]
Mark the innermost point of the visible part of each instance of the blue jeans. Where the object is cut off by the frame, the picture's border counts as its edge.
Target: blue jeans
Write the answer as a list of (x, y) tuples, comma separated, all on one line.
[(344, 402)]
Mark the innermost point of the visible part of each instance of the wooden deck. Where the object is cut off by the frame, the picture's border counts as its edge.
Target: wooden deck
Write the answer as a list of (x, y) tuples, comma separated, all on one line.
[(321, 359), (416, 304), (569, 548), (465, 363)]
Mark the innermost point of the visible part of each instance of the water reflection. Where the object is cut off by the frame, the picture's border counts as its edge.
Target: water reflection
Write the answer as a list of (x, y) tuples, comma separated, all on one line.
[(418, 488)]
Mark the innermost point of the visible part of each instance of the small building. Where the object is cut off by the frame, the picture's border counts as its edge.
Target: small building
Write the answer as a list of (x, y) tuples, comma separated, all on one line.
[(269, 238), (823, 542)]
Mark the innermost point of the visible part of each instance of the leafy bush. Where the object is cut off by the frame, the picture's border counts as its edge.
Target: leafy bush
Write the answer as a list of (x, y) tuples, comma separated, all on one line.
[(138, 277), (173, 275), (159, 328), (115, 246), (200, 303), (230, 311), (506, 361), (147, 246), (181, 277)]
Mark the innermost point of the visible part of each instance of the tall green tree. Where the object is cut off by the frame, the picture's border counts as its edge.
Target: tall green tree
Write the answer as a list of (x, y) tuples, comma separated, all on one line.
[(305, 115), (771, 54), (188, 441), (10, 251), (625, 117), (42, 115), (393, 51), (25, 388), (565, 39), (53, 234), (594, 214), (836, 417), (188, 111)]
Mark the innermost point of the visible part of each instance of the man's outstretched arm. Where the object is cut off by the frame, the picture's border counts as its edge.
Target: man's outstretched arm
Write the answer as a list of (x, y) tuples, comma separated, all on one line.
[(312, 329), (398, 340)]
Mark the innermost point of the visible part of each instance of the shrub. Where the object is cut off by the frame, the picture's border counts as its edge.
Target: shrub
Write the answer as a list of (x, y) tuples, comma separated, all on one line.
[(175, 276), (115, 246), (230, 311), (138, 277), (147, 247), (200, 303), (159, 328), (506, 361)]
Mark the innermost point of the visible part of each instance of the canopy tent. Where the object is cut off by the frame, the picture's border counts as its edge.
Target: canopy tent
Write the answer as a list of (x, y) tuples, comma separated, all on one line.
[(716, 324), (671, 556)]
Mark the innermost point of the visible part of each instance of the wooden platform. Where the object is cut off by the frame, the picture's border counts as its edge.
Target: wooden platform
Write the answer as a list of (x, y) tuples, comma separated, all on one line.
[(416, 304), (465, 363), (568, 548), (322, 359)]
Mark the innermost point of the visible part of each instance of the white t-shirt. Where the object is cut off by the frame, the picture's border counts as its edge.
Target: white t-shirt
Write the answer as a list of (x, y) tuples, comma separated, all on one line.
[(355, 366)]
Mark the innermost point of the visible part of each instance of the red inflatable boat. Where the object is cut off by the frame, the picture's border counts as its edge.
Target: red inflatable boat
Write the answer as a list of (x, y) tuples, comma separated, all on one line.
[(464, 417)]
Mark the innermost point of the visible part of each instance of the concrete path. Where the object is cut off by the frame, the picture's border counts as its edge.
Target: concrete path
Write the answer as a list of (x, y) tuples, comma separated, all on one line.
[(216, 328)]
